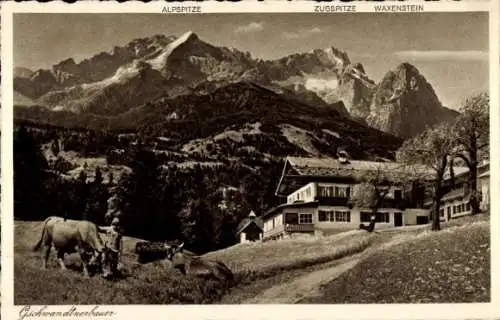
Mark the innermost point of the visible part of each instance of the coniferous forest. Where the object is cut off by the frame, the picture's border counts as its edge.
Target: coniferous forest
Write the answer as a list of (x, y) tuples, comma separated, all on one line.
[(200, 205)]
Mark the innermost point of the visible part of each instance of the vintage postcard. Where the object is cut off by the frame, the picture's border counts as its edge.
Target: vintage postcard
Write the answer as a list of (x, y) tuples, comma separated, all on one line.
[(250, 156)]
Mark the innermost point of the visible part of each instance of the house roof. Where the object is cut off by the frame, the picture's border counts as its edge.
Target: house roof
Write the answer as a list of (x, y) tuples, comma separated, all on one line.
[(290, 205), (248, 221), (331, 166), (451, 195), (454, 194), (484, 174), (296, 167)]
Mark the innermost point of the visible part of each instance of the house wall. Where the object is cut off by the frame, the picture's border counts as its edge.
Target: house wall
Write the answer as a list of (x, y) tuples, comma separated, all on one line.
[(277, 221), (306, 193), (410, 216), (355, 217), (273, 222), (466, 209), (311, 190)]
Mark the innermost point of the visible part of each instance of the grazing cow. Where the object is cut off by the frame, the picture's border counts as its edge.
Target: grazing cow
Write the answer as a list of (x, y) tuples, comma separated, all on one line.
[(198, 266), (69, 236)]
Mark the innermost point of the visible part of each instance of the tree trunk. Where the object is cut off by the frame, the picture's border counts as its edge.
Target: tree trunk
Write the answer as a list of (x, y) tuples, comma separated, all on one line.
[(378, 204), (435, 213), (474, 201), (438, 194), (372, 221)]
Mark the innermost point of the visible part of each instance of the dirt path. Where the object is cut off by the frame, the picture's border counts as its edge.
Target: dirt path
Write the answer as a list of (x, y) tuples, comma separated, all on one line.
[(305, 286), (309, 285)]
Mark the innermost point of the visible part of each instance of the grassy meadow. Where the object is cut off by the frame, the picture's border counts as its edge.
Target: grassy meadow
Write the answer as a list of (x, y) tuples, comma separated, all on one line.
[(157, 282), (405, 266), (450, 266)]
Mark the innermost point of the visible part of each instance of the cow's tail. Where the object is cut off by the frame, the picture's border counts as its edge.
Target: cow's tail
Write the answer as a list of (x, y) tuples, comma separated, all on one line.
[(42, 237)]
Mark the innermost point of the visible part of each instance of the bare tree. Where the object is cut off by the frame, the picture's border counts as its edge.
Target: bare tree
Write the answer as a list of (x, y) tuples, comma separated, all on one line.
[(433, 149), (471, 133), (375, 184)]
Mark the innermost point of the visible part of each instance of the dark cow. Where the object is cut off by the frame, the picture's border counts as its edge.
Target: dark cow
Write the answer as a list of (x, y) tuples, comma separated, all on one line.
[(69, 236), (198, 266)]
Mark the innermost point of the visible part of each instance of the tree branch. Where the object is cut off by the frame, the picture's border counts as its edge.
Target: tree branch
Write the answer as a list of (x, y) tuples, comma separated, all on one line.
[(463, 157)]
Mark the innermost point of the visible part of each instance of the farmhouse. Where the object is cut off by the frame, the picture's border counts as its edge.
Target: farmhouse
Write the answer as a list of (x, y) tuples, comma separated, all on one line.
[(456, 202), (318, 194)]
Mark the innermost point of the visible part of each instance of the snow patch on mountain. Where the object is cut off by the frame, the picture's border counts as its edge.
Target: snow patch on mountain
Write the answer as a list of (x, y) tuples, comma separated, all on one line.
[(160, 61), (320, 85), (123, 74)]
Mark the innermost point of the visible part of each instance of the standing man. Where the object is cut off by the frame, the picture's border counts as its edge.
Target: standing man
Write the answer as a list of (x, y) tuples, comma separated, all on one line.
[(112, 202), (114, 245), (114, 234)]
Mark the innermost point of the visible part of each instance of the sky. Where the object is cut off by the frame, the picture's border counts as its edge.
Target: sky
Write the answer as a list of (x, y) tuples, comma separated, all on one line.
[(449, 49)]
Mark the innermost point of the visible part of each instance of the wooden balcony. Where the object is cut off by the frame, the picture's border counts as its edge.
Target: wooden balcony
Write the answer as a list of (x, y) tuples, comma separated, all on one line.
[(299, 227)]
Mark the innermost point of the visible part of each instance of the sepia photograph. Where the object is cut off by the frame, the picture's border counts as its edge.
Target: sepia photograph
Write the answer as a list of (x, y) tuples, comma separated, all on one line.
[(251, 158)]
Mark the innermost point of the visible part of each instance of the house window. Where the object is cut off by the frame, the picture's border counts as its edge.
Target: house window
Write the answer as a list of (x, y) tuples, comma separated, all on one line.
[(323, 191), (454, 209), (342, 192), (305, 218), (382, 217), (342, 216), (449, 210), (326, 216), (441, 212), (398, 194), (334, 191), (365, 216), (468, 206)]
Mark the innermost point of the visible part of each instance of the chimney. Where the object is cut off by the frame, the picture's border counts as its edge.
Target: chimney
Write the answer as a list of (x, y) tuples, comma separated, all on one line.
[(252, 215)]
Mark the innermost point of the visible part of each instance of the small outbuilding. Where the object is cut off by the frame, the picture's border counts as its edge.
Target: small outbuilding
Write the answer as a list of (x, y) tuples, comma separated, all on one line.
[(250, 228)]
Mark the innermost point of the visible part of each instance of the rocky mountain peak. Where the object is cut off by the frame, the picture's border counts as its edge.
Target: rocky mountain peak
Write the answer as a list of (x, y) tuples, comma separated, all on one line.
[(20, 72), (189, 35), (402, 80), (68, 63), (404, 103)]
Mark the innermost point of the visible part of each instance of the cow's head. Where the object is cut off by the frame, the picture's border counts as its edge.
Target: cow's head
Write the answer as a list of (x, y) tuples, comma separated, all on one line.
[(173, 249), (95, 261)]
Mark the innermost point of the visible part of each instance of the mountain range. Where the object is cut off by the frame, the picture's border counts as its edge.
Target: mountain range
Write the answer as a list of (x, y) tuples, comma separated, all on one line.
[(126, 83)]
